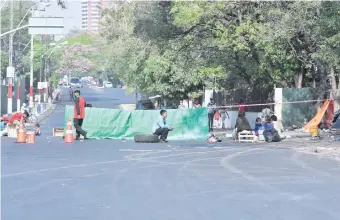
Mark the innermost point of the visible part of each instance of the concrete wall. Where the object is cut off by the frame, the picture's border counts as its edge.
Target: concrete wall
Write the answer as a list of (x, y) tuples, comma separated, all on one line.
[(230, 123)]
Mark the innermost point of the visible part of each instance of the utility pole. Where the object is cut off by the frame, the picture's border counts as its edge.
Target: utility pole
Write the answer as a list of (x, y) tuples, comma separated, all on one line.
[(31, 72), (19, 49), (10, 69), (41, 67)]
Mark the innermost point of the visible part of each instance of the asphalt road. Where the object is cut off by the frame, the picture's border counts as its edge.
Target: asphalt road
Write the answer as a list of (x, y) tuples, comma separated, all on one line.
[(194, 180)]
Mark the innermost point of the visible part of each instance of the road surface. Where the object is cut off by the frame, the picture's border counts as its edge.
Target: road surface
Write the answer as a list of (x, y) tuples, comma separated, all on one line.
[(193, 180)]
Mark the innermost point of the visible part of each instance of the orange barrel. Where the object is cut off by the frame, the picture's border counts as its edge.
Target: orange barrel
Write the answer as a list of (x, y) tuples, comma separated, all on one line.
[(30, 137), (314, 131)]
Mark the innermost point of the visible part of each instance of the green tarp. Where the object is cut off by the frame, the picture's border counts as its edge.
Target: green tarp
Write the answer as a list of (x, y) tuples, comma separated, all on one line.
[(188, 124)]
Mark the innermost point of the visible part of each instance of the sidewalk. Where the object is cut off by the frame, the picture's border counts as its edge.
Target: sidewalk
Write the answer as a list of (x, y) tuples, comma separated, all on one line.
[(226, 133)]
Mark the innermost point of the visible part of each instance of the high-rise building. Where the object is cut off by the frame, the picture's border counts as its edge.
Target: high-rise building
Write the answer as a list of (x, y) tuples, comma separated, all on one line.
[(91, 14)]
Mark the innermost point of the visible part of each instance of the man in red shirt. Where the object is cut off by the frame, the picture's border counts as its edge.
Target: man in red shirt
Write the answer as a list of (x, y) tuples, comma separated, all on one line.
[(79, 114)]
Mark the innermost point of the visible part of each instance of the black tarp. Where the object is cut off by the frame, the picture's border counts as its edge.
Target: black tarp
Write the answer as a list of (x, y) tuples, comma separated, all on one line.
[(336, 124)]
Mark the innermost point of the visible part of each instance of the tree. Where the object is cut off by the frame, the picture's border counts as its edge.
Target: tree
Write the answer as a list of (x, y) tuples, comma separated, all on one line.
[(181, 48), (75, 60)]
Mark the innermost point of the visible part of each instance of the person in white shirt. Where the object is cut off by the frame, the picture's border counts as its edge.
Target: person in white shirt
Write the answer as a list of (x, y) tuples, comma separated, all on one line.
[(24, 108), (277, 124), (181, 105), (161, 128), (266, 112)]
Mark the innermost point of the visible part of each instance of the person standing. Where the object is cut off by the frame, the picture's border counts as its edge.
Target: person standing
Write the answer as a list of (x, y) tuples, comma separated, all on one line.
[(266, 112), (242, 106), (211, 111), (181, 105), (197, 105), (79, 114), (71, 93), (161, 128), (224, 115)]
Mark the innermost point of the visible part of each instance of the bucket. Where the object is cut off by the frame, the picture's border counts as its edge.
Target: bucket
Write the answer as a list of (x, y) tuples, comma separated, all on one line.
[(314, 131), (30, 137)]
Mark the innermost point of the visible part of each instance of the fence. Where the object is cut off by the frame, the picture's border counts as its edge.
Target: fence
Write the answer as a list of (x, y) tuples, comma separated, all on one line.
[(188, 124), (4, 97)]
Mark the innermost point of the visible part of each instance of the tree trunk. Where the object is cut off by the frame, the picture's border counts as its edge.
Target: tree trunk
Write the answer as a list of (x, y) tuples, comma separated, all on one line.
[(335, 93), (298, 80)]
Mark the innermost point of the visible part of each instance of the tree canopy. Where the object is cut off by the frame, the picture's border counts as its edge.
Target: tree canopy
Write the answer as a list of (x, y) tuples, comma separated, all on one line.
[(180, 48)]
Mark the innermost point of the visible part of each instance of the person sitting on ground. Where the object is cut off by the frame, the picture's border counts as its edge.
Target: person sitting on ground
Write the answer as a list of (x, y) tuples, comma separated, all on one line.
[(270, 133), (3, 130), (24, 108), (258, 126), (37, 130), (242, 124), (161, 127), (277, 124)]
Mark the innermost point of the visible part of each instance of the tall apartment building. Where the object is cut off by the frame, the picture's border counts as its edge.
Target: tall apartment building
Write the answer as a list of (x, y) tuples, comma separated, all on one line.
[(90, 14)]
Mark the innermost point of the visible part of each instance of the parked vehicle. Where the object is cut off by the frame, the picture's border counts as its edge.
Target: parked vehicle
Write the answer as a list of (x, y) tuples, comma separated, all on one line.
[(108, 85), (75, 82)]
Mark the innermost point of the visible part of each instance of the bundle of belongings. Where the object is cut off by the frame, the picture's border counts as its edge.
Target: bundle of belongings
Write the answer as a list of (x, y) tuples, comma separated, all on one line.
[(212, 138)]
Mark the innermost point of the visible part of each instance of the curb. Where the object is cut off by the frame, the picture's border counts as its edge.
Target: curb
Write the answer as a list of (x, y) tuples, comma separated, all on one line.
[(46, 113)]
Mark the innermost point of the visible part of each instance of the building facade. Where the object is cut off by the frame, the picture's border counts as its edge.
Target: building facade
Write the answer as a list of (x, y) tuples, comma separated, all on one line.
[(91, 14)]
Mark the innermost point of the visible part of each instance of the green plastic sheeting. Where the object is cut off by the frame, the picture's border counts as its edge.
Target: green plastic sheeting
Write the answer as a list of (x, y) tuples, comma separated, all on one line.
[(188, 124)]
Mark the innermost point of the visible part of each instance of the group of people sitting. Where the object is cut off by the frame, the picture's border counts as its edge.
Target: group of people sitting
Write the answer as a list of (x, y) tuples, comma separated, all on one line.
[(270, 126)]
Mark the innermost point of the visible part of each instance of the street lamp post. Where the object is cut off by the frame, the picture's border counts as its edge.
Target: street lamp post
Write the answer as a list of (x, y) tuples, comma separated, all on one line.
[(10, 70), (31, 72)]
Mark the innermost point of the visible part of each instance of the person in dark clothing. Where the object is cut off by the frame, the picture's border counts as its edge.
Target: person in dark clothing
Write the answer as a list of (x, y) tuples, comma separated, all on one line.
[(270, 133), (79, 114), (211, 112), (242, 124), (161, 127)]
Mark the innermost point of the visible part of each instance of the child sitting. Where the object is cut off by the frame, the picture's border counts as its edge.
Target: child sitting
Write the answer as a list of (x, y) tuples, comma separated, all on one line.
[(258, 126)]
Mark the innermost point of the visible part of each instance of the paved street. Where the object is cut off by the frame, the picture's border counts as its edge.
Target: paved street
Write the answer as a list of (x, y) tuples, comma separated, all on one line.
[(192, 180)]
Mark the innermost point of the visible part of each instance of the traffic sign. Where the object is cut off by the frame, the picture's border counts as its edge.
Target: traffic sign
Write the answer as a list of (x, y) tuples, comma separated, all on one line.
[(10, 71), (46, 25)]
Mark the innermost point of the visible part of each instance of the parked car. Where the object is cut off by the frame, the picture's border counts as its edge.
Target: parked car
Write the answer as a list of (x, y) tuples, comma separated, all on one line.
[(75, 82), (108, 85)]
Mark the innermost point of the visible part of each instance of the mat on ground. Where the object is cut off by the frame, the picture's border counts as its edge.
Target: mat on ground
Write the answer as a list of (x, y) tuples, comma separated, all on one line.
[(188, 124)]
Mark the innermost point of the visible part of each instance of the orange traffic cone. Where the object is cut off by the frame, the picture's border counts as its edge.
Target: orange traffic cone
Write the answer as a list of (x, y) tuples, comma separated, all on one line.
[(21, 134), (69, 133)]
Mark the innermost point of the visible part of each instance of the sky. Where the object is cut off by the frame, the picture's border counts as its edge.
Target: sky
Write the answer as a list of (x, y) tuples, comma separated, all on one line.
[(72, 14)]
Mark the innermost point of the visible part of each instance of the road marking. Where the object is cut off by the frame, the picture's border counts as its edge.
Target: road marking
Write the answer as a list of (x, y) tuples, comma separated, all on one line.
[(97, 163)]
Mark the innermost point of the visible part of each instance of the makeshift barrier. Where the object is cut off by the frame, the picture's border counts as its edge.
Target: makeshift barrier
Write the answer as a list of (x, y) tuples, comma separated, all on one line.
[(188, 124)]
